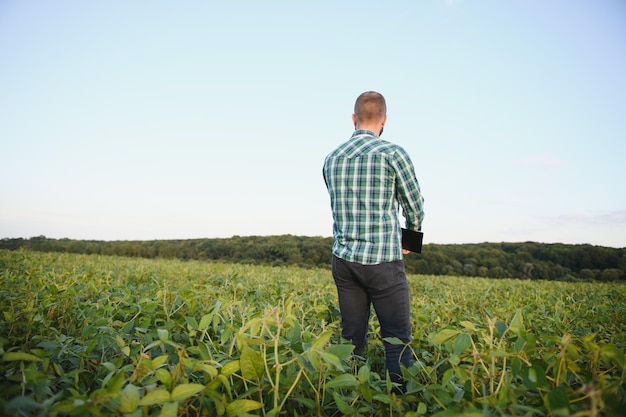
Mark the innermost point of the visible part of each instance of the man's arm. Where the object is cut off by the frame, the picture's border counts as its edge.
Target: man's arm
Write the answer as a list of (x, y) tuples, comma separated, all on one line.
[(408, 191)]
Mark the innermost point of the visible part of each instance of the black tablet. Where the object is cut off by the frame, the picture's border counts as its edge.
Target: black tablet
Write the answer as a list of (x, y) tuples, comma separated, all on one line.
[(412, 240)]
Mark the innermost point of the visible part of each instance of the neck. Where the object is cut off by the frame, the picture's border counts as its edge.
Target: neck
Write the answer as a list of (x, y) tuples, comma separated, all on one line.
[(371, 128), (375, 126)]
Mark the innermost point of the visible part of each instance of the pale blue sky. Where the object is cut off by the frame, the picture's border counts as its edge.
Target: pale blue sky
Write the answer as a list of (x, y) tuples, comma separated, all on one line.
[(173, 120)]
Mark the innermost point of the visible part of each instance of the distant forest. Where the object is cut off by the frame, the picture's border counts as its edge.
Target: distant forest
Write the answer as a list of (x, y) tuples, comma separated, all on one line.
[(528, 260)]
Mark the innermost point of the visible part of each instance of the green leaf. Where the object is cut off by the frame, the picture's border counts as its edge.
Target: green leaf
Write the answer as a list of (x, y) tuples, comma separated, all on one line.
[(382, 398), (462, 343), (217, 399), (163, 334), (169, 410), (519, 344), (294, 334), (209, 369), (220, 380), (242, 406), (610, 353), (469, 326), (517, 324), (557, 402), (451, 413), (501, 327), (116, 383), (331, 359), (307, 402), (531, 342), (205, 321), (159, 361), (366, 391), (516, 366), (343, 380), (364, 374), (321, 340), (273, 412), (158, 396), (164, 375), (529, 379), (444, 335), (341, 351), (129, 400), (535, 377), (314, 357), (39, 353), (393, 341), (184, 391), (343, 406), (25, 404), (540, 374), (191, 322), (20, 356), (120, 342), (230, 368), (151, 345), (251, 363)]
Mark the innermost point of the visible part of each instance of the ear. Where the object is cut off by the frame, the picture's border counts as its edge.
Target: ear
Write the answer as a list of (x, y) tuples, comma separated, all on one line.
[(354, 120), (384, 120)]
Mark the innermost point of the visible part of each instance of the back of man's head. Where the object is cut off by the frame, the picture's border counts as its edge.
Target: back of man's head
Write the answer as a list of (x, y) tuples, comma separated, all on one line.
[(370, 107)]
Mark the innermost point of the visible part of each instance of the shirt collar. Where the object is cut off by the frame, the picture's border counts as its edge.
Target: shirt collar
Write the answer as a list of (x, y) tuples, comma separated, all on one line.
[(364, 132)]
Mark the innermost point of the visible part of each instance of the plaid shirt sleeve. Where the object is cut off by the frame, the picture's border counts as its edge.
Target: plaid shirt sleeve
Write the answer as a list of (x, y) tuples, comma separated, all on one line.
[(408, 190), (368, 180)]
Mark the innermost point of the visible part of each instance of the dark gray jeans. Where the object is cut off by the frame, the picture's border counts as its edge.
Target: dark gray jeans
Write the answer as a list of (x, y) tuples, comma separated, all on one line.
[(385, 286)]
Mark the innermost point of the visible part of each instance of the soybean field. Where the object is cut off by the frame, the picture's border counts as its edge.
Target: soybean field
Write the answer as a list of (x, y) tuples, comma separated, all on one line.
[(93, 335)]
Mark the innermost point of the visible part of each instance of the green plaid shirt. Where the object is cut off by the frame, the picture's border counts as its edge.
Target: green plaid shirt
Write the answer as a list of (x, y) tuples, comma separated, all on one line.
[(368, 180)]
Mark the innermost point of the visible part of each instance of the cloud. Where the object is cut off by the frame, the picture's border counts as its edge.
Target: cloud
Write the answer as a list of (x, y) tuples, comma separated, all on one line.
[(545, 160)]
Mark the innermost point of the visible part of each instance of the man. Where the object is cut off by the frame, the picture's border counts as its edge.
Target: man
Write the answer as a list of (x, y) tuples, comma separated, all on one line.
[(369, 180)]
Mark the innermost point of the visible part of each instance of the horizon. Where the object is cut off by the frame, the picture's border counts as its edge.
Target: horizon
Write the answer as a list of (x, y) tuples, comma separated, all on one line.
[(299, 236), (142, 121)]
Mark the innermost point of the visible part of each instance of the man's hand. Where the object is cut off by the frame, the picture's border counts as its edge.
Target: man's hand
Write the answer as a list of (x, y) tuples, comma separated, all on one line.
[(405, 251)]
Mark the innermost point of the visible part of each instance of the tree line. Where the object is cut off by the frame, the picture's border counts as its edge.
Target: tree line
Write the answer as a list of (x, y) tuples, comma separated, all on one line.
[(530, 260)]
